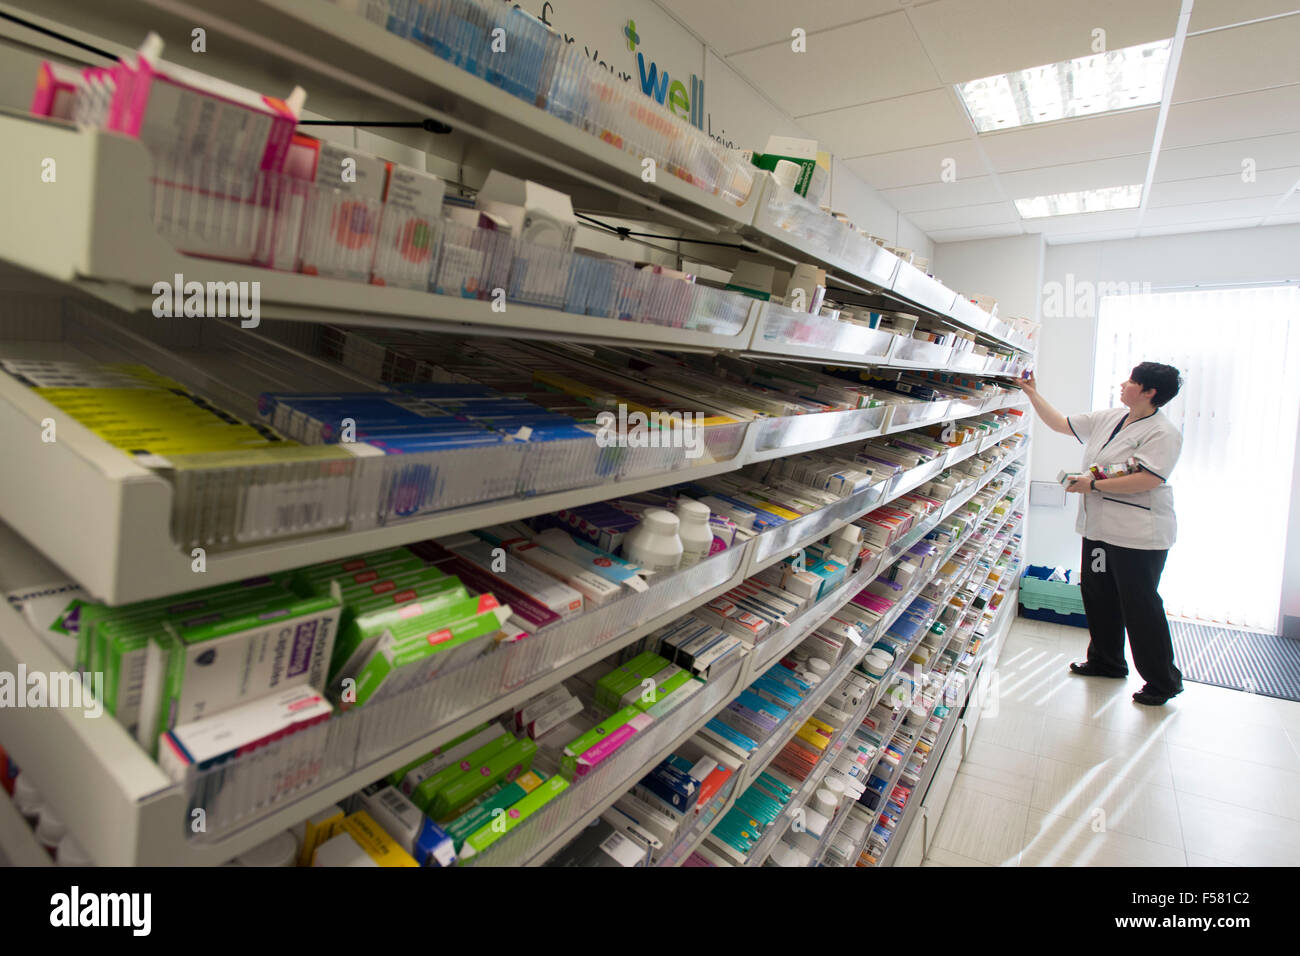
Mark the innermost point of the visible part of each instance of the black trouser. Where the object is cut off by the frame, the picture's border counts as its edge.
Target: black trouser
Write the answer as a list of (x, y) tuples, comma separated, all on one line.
[(1122, 593)]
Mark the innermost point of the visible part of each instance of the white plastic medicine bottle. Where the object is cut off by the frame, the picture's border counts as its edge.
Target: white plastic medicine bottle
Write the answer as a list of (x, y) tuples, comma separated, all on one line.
[(653, 544), (694, 531)]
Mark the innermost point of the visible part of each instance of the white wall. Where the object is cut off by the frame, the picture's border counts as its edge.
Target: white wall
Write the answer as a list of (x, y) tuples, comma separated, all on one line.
[(1008, 269)]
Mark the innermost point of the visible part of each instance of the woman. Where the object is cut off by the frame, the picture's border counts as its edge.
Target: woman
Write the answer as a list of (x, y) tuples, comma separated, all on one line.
[(1128, 526)]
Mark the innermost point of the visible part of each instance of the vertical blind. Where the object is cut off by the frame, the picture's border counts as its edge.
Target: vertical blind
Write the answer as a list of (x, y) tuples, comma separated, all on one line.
[(1239, 353)]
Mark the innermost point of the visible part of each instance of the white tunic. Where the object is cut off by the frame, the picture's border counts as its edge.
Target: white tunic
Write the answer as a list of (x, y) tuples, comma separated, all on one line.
[(1143, 519)]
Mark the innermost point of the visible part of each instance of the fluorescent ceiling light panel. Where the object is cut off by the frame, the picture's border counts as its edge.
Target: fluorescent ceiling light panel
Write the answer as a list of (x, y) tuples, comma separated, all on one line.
[(1115, 80), (1087, 200)]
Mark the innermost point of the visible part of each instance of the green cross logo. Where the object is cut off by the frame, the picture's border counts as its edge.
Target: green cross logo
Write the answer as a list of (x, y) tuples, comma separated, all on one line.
[(629, 31)]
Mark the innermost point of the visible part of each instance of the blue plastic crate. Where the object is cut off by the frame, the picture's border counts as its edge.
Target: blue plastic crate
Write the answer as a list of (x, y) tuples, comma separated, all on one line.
[(1043, 614), (1037, 593)]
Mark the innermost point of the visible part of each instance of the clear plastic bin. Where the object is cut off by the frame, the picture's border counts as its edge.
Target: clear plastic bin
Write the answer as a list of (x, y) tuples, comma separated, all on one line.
[(340, 233), (793, 431), (217, 210), (472, 262), (913, 413), (394, 487), (406, 249), (914, 284), (917, 352), (789, 537), (240, 790)]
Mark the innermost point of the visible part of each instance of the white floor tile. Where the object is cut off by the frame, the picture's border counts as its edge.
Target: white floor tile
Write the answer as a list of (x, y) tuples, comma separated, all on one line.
[(941, 857), (1221, 735), (1212, 779), (1052, 840), (1107, 801), (1014, 729), (980, 827), (1140, 757), (1240, 782), (1235, 834), (999, 771)]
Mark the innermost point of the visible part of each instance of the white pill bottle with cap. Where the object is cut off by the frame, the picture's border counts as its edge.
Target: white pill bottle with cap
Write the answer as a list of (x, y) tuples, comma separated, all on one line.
[(654, 544), (694, 532)]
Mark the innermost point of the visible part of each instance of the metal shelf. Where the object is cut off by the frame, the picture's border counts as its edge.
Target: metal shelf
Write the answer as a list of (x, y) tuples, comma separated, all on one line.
[(119, 543), (106, 245)]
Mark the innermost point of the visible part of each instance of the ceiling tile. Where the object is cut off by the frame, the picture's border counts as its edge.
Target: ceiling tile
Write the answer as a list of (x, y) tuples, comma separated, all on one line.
[(1291, 205), (767, 21), (1073, 177), (1207, 14), (970, 39), (918, 120), (1269, 183), (1191, 162), (1072, 141), (1242, 116), (943, 195), (1084, 222), (1103, 236), (874, 60), (1186, 227), (1239, 60), (916, 167), (975, 232), (1209, 211), (985, 214)]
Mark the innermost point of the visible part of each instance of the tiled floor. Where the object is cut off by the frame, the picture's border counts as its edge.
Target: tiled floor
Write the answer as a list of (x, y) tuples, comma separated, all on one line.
[(1068, 771)]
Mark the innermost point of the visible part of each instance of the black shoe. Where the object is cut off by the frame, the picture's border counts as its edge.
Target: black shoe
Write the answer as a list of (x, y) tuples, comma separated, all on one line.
[(1088, 669), (1150, 699)]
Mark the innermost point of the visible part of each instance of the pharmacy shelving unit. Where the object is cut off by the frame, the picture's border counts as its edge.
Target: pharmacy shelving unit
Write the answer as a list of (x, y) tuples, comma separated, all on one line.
[(780, 644), (133, 814), (925, 807), (815, 777), (105, 520), (951, 679), (940, 696), (930, 794)]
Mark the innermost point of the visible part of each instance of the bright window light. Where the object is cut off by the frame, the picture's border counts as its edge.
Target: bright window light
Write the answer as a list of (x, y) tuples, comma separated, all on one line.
[(1089, 200), (1115, 80)]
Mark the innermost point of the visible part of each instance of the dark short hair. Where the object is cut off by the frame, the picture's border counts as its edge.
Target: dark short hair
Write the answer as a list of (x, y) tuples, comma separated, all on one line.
[(1165, 379)]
